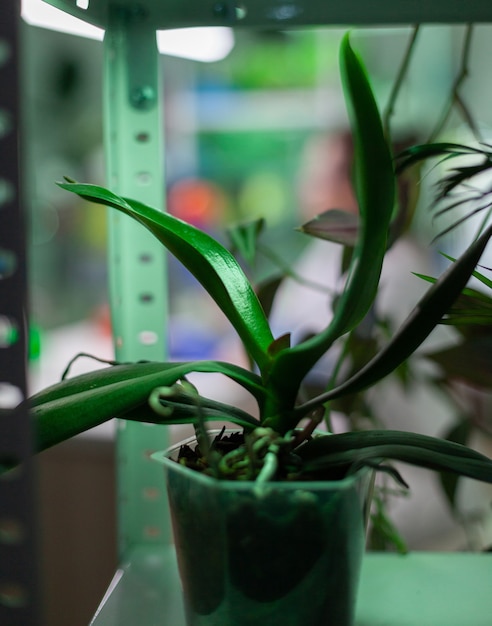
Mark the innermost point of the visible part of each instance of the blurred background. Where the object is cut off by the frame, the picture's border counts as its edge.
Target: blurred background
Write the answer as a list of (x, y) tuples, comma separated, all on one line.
[(247, 136)]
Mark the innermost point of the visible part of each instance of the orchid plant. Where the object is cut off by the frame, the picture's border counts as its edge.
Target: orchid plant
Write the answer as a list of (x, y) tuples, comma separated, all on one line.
[(158, 392)]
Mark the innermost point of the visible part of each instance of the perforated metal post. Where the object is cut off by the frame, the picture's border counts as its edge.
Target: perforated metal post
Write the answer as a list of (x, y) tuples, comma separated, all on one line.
[(18, 598), (133, 142)]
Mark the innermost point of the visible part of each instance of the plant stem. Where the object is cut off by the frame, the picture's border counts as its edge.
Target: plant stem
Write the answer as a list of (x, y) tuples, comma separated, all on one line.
[(402, 72), (455, 98)]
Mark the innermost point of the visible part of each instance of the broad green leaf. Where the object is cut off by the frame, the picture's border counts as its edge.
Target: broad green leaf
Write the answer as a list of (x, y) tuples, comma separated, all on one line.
[(98, 378), (353, 449), (84, 401), (375, 191), (417, 327), (211, 264)]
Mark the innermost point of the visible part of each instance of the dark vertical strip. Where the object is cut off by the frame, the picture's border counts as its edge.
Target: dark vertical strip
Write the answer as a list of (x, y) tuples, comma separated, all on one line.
[(18, 562)]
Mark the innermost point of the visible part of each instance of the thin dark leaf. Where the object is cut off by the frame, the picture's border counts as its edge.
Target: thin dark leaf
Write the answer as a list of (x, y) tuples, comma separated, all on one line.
[(460, 434), (455, 225), (375, 191), (353, 449), (417, 327), (82, 402), (422, 152)]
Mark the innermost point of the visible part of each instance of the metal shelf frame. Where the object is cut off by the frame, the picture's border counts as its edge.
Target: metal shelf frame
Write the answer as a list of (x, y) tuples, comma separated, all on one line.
[(134, 146), (18, 589)]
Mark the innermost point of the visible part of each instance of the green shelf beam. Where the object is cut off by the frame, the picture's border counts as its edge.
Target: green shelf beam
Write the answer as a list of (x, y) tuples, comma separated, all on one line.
[(284, 13)]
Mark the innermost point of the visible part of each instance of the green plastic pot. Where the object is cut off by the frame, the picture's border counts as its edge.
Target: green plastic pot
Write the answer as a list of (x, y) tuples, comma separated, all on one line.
[(280, 554)]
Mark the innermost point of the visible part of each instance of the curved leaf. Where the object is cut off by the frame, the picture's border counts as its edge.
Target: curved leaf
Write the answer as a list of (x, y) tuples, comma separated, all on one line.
[(446, 150), (82, 402), (211, 264), (417, 327), (375, 191), (355, 448), (98, 378)]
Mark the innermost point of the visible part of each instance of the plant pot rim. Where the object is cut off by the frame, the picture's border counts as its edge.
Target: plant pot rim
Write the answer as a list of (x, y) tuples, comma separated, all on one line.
[(164, 458)]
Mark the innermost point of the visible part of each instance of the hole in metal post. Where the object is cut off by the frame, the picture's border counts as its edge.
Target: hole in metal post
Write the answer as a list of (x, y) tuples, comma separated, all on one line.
[(143, 178), (10, 396), (230, 11), (146, 298), (148, 337), (9, 333), (4, 51), (8, 263), (143, 97), (83, 4), (241, 11), (5, 122), (150, 494), (142, 137), (152, 532)]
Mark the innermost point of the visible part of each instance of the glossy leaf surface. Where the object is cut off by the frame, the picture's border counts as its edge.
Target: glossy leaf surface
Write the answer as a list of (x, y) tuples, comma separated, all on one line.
[(355, 448), (375, 191), (334, 225), (445, 150), (82, 402), (211, 264)]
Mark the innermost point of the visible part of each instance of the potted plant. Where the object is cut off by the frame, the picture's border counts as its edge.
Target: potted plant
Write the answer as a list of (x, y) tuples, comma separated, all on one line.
[(269, 519)]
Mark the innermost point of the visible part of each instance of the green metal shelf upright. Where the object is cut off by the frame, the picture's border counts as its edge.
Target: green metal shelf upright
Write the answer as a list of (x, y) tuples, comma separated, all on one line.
[(145, 589)]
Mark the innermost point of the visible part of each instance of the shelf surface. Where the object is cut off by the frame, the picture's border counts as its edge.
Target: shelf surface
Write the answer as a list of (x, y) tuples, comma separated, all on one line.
[(419, 589)]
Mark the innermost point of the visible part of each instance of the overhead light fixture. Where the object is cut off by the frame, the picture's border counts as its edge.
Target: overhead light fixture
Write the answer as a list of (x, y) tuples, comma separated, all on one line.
[(198, 44)]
